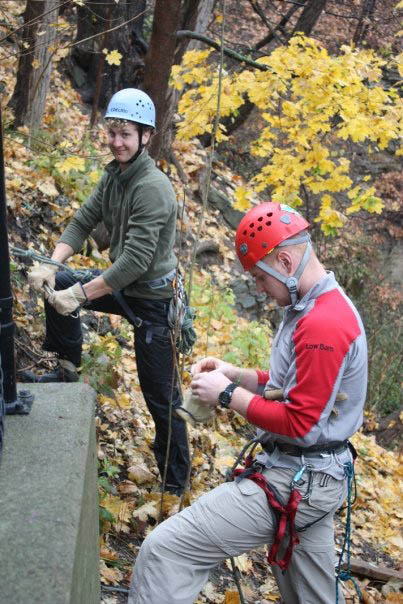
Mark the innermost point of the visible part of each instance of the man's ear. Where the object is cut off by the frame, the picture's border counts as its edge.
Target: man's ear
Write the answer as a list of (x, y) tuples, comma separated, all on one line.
[(285, 259), (146, 136)]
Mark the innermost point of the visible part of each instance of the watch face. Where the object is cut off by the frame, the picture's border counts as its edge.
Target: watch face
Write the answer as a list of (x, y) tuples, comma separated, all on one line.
[(225, 398)]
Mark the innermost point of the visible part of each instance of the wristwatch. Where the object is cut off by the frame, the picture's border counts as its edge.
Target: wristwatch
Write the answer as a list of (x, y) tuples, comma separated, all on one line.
[(225, 397)]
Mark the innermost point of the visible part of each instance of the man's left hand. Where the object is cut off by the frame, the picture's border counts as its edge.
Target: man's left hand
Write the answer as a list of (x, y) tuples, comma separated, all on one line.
[(208, 385), (66, 301)]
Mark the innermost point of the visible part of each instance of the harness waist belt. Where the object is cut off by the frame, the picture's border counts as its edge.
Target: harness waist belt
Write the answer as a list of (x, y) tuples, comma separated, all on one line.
[(314, 451), (161, 281)]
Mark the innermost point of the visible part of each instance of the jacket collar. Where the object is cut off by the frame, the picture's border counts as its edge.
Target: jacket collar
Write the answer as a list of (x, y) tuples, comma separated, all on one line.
[(325, 284), (113, 168)]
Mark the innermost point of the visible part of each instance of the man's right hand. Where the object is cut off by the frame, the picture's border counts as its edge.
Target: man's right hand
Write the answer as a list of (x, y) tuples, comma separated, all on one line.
[(40, 274), (211, 364)]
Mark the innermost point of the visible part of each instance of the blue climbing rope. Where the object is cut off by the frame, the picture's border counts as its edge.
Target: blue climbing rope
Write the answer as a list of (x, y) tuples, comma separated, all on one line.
[(345, 575)]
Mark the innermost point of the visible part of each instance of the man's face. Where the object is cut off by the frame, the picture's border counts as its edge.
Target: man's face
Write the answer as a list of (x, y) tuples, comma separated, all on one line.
[(123, 140), (271, 286)]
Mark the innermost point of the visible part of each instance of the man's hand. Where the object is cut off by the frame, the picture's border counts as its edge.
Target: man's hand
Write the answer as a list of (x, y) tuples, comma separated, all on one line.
[(211, 364), (42, 273), (207, 386), (66, 301)]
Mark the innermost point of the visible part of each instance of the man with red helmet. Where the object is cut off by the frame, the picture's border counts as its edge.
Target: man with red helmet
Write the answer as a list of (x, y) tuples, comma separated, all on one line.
[(288, 497)]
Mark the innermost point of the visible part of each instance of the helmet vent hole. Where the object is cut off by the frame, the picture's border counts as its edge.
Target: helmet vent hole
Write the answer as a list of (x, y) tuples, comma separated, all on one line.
[(244, 233), (260, 219), (252, 224), (259, 228), (268, 223), (269, 214), (252, 235)]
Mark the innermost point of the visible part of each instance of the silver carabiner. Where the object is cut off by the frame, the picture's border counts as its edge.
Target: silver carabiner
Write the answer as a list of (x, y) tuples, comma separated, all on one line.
[(296, 481)]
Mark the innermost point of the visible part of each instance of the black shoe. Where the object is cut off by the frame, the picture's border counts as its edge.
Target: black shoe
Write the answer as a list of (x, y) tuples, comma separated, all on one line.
[(60, 374)]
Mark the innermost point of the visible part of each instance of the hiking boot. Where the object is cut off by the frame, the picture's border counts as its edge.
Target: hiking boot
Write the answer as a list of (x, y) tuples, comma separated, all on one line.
[(65, 371)]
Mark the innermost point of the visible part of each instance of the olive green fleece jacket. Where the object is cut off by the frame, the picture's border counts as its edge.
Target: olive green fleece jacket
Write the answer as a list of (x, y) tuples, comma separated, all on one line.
[(138, 207)]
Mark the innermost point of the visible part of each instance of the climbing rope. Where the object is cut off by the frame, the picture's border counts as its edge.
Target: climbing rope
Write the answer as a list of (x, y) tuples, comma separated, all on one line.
[(80, 274), (345, 575), (181, 317)]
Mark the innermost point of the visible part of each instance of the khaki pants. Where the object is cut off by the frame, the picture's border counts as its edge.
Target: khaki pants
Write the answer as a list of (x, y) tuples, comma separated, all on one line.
[(175, 559)]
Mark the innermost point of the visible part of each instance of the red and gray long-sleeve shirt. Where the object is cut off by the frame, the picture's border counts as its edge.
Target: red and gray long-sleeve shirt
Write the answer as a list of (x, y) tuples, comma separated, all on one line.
[(319, 351)]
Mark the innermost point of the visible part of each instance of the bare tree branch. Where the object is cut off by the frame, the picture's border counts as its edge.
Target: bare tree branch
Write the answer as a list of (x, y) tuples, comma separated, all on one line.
[(227, 51), (258, 10), (281, 25)]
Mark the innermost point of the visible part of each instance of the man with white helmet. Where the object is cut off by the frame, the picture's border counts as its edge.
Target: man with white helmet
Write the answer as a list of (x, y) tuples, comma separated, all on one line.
[(286, 498), (137, 204)]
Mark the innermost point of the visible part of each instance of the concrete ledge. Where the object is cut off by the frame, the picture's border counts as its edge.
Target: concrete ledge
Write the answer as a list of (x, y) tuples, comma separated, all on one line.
[(49, 500)]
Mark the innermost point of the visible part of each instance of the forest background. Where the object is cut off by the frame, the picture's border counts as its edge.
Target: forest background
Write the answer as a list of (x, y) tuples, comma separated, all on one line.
[(297, 101)]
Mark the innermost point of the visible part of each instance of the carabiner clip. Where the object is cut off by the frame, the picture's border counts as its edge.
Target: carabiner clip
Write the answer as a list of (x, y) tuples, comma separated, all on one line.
[(297, 478), (298, 475)]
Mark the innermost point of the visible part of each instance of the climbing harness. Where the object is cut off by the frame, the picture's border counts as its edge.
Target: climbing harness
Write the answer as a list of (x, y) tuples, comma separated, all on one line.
[(161, 281), (152, 328), (285, 513)]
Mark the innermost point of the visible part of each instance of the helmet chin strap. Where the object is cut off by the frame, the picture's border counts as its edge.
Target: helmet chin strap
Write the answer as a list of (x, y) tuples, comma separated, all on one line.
[(290, 282), (141, 146)]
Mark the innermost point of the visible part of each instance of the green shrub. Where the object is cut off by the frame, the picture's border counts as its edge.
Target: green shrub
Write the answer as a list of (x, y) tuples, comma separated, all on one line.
[(222, 332)]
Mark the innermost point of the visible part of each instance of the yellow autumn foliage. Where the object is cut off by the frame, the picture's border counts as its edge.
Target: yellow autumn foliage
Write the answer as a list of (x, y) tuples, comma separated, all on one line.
[(312, 103)]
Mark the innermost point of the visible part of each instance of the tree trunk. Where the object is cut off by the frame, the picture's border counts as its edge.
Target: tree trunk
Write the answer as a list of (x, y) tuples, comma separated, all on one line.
[(189, 16), (93, 76), (310, 16), (35, 63), (164, 51), (159, 60), (363, 22), (203, 18)]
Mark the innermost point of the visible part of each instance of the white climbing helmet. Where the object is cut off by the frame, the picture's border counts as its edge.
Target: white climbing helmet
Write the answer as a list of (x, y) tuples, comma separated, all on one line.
[(132, 104)]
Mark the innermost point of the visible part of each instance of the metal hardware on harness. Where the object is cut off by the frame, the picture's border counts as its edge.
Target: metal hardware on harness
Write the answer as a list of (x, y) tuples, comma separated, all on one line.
[(296, 481)]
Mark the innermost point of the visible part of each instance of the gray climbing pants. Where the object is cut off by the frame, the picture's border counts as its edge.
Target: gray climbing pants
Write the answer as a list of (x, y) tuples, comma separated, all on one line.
[(175, 559)]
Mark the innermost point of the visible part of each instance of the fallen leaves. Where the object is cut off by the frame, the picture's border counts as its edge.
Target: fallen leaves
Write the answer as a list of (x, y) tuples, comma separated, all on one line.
[(140, 474)]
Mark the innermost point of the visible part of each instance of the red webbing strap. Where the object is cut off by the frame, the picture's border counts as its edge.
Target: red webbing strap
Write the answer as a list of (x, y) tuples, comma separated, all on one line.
[(287, 517)]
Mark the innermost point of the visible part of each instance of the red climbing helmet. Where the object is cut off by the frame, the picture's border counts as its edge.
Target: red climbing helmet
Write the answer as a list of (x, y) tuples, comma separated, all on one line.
[(263, 228)]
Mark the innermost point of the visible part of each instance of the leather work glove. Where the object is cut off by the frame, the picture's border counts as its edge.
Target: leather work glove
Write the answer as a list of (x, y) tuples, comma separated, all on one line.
[(66, 301), (42, 273), (193, 410)]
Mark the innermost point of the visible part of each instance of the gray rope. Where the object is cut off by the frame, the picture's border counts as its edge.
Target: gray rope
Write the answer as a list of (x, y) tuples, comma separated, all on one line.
[(79, 274)]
